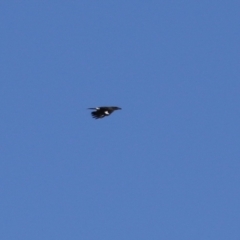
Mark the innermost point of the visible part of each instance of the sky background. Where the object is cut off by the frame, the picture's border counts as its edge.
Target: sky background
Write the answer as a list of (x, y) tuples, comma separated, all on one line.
[(167, 166)]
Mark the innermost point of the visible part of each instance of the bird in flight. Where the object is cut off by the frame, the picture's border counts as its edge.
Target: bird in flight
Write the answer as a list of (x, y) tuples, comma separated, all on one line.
[(101, 112)]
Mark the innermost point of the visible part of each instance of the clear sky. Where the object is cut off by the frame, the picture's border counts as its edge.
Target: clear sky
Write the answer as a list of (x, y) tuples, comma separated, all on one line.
[(167, 166)]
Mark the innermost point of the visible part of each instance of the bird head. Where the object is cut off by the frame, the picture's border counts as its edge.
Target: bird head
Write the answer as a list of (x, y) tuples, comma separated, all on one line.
[(116, 108)]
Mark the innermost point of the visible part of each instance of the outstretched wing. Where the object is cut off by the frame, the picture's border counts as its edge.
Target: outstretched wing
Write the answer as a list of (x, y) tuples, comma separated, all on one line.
[(98, 114), (101, 112)]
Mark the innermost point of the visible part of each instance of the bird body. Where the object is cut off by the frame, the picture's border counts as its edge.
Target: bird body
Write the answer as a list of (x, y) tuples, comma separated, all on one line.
[(101, 112)]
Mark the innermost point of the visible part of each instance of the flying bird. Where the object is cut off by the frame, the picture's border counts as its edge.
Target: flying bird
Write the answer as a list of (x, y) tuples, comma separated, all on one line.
[(101, 112)]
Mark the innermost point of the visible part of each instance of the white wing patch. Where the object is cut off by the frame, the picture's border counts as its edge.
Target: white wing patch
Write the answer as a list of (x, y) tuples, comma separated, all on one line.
[(106, 112)]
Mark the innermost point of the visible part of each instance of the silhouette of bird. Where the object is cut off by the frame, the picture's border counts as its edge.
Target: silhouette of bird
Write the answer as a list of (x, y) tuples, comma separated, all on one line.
[(101, 112)]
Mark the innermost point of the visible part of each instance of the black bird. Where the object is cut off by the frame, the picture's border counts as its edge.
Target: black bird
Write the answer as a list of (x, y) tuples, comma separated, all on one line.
[(101, 112)]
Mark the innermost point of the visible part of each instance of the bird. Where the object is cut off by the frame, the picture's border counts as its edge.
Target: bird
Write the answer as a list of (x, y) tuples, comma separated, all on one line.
[(101, 112)]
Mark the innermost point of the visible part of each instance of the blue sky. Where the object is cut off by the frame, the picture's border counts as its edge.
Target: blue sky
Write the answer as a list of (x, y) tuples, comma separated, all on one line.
[(164, 167)]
